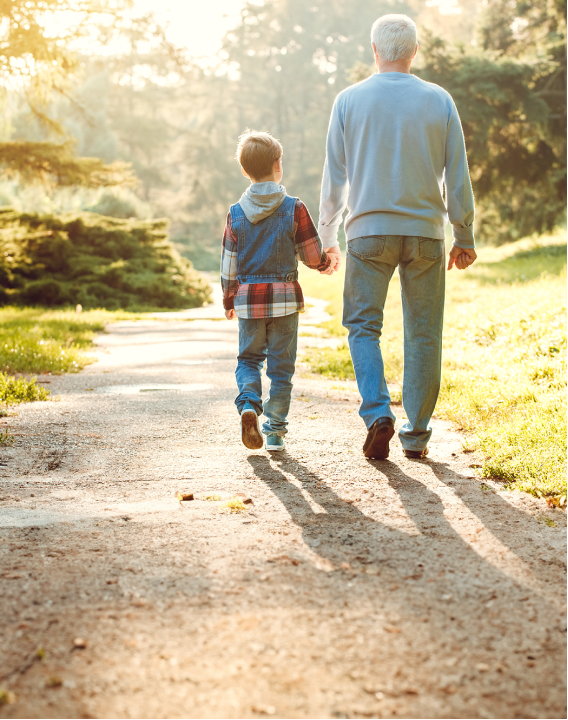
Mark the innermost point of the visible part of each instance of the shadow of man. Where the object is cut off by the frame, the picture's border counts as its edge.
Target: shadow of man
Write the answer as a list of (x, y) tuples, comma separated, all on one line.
[(345, 538)]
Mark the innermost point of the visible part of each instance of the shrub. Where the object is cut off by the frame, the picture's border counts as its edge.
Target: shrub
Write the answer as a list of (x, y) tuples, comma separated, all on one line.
[(43, 292), (18, 390), (97, 261)]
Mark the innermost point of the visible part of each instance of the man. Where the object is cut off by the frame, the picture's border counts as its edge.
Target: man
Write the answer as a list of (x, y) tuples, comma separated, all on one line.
[(394, 142)]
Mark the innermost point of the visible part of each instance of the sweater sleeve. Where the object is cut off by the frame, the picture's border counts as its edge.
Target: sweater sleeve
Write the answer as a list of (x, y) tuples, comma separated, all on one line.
[(459, 195), (335, 185)]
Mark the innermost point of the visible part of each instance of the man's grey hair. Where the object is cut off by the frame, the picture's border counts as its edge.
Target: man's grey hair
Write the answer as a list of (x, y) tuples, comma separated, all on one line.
[(394, 37)]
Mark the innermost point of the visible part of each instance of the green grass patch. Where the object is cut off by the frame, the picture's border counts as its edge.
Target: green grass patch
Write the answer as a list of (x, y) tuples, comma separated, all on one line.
[(504, 371), (35, 340), (18, 390)]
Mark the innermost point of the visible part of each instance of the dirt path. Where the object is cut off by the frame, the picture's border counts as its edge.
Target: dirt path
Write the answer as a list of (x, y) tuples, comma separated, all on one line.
[(348, 589)]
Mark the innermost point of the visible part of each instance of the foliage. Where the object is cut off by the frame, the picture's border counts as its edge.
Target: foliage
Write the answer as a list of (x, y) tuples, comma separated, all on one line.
[(31, 52), (504, 358), (38, 63), (57, 163), (119, 203), (33, 340), (18, 390), (95, 261)]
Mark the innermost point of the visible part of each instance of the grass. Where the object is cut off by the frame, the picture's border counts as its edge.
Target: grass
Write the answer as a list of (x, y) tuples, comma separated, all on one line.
[(504, 365), (35, 340), (18, 390)]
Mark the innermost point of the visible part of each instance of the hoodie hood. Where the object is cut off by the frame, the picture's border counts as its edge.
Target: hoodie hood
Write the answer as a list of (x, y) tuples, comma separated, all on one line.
[(261, 199)]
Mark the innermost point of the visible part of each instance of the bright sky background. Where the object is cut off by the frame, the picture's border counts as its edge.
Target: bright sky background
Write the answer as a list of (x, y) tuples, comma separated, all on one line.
[(198, 25)]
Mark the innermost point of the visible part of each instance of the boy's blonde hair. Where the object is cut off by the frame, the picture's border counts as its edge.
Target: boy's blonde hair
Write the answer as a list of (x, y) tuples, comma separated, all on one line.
[(256, 153)]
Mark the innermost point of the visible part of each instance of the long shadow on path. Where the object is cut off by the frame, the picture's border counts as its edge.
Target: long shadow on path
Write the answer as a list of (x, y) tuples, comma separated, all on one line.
[(429, 549)]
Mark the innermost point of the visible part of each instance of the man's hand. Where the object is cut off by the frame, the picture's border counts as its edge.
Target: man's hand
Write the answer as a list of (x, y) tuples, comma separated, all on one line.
[(230, 314), (334, 254), (462, 258)]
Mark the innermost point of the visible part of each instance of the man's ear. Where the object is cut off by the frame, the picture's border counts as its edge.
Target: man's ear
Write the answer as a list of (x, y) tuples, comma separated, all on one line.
[(375, 53), (415, 51)]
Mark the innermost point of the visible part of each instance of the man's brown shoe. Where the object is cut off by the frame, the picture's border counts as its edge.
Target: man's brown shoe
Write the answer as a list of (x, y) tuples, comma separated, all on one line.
[(416, 454), (377, 443)]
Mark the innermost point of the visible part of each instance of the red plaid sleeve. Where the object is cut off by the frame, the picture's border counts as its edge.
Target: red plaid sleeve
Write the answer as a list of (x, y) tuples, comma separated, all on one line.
[(229, 268), (308, 245)]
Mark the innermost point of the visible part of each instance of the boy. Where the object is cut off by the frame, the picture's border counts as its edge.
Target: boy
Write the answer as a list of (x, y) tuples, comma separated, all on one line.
[(266, 232)]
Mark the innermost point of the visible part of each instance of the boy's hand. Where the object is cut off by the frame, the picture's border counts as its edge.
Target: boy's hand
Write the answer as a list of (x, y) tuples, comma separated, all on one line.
[(230, 314), (462, 258), (327, 271), (335, 254)]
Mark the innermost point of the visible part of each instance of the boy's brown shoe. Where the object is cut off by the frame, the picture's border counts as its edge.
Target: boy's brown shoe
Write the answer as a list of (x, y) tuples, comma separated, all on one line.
[(416, 454), (250, 433), (377, 443)]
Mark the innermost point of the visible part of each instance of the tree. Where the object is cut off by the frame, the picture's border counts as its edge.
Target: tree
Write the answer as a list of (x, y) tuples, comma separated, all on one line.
[(39, 62), (533, 33), (58, 164)]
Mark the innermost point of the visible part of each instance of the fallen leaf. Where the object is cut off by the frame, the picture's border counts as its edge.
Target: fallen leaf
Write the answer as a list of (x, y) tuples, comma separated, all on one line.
[(80, 643), (283, 559), (233, 505), (556, 501), (183, 496), (7, 697), (264, 709), (392, 629)]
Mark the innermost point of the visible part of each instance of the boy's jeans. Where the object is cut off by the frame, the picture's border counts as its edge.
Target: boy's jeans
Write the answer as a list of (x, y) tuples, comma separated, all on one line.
[(371, 262), (276, 340)]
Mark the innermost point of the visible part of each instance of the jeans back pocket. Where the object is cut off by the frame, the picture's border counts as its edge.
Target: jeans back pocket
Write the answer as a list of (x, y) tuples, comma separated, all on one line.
[(370, 246), (430, 248)]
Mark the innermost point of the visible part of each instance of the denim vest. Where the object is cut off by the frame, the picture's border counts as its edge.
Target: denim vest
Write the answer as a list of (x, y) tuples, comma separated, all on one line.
[(266, 251)]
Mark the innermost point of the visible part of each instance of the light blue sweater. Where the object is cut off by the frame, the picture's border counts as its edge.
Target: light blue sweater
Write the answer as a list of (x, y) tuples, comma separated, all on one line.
[(394, 141)]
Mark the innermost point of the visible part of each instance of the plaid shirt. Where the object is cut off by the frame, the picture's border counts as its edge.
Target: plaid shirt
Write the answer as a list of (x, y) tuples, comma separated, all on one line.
[(260, 300)]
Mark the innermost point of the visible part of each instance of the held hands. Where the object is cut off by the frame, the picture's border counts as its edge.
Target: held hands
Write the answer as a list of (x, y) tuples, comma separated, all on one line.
[(462, 258), (334, 255), (231, 314)]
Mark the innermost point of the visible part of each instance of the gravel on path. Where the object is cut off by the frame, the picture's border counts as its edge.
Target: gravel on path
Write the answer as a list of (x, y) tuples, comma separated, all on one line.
[(348, 588)]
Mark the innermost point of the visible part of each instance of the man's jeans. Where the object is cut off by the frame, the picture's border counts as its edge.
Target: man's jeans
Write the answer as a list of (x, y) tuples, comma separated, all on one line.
[(371, 262), (276, 340)]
